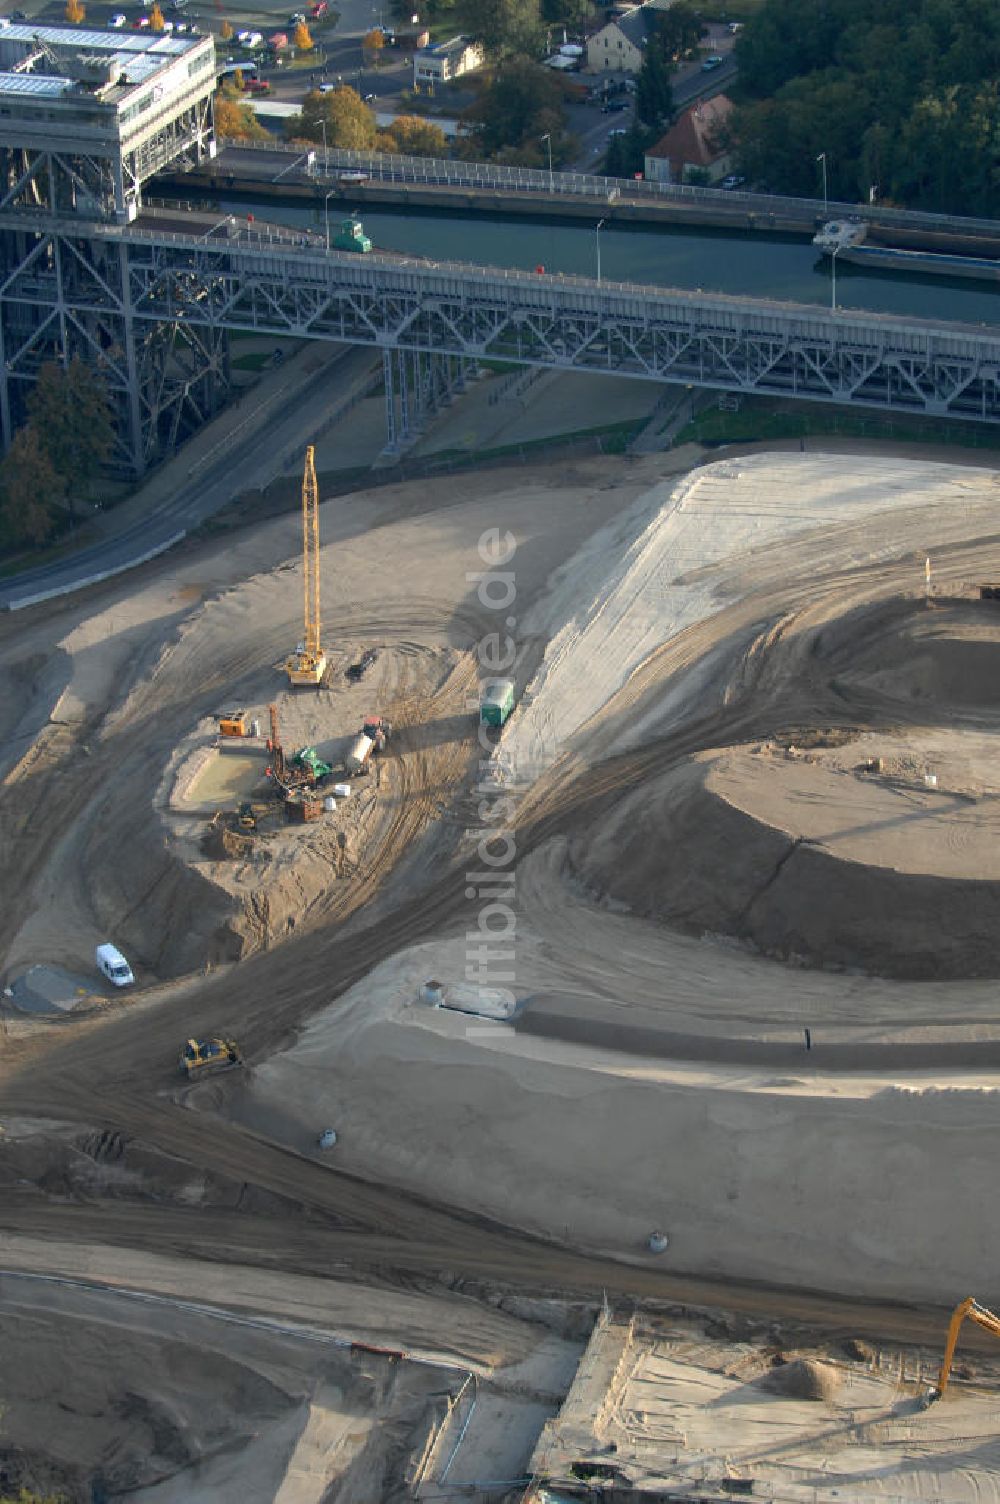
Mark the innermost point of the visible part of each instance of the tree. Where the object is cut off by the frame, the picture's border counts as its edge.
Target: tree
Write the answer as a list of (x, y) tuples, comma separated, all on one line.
[(31, 489), (522, 103), (626, 154), (678, 30), (508, 27), (156, 19), (411, 136), (575, 13), (28, 1496), (654, 95), (372, 45), (226, 31), (349, 122), (69, 409), (235, 118), (302, 38), (75, 12)]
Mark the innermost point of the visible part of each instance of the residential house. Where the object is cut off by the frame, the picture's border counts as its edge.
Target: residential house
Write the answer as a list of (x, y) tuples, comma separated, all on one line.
[(692, 144), (620, 45), (443, 61)]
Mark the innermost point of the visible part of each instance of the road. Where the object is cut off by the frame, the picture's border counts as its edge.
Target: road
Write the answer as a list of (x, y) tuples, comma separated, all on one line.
[(245, 450)]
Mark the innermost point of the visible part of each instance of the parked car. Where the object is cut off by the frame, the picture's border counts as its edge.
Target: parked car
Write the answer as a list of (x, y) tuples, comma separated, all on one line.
[(113, 965), (357, 671), (734, 180), (369, 99), (711, 63), (614, 107), (118, 20), (327, 88), (257, 86)]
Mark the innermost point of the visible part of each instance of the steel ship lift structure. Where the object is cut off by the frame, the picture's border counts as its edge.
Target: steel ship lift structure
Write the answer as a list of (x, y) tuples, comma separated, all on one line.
[(86, 118)]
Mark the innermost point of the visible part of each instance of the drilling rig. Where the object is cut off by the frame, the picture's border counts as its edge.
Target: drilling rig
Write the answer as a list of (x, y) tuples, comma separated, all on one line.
[(307, 664)]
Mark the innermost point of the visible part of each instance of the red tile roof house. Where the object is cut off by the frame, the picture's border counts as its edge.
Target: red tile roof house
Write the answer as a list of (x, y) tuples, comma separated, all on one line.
[(692, 142)]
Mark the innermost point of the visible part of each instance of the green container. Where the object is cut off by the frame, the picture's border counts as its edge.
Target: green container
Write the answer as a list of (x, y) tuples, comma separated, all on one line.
[(497, 702)]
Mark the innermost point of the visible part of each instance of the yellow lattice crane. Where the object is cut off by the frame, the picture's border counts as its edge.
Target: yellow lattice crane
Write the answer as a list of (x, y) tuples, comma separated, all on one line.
[(307, 664)]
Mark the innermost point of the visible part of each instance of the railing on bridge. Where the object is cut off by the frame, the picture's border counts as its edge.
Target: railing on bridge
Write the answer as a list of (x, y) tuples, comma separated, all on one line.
[(486, 176), (418, 274)]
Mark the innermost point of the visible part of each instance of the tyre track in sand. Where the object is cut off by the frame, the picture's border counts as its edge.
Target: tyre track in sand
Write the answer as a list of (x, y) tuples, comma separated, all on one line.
[(392, 1235)]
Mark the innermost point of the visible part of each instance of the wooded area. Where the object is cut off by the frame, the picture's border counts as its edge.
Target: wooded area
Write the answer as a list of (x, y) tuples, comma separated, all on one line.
[(901, 96)]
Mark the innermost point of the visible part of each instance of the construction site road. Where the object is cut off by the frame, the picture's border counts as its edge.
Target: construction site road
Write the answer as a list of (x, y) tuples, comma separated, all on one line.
[(763, 674), (245, 448)]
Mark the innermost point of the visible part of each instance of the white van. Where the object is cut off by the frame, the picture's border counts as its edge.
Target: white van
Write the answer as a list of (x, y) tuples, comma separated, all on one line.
[(113, 965)]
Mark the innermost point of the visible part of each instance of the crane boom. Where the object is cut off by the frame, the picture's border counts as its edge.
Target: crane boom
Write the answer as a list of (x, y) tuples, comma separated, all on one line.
[(310, 552), (308, 663)]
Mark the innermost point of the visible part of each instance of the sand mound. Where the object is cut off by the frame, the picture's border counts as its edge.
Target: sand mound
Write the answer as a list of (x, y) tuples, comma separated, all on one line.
[(679, 850), (942, 655), (802, 1379)]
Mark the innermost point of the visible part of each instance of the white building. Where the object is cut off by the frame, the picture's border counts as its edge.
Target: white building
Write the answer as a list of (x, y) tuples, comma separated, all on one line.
[(443, 61)]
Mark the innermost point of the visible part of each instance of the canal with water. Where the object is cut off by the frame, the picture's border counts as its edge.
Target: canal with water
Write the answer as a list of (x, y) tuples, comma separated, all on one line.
[(751, 264)]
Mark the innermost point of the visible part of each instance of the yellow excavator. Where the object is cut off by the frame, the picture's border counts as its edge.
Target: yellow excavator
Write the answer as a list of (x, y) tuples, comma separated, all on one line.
[(307, 664), (972, 1310)]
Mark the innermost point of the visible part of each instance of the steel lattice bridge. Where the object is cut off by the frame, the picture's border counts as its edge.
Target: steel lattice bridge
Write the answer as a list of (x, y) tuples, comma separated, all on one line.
[(150, 296), (194, 288)]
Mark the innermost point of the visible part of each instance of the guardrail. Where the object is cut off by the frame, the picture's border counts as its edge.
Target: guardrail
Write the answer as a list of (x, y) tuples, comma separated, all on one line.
[(436, 171), (364, 271)]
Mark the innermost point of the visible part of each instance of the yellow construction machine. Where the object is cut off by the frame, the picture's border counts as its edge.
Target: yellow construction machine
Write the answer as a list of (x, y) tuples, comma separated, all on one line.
[(975, 1312), (205, 1057), (233, 723), (307, 664)]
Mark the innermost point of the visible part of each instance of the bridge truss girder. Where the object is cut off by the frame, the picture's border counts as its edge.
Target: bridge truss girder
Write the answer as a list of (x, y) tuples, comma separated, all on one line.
[(154, 311), (866, 360)]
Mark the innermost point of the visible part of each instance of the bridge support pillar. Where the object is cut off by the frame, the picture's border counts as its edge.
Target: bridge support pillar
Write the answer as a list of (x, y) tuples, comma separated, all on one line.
[(390, 401), (404, 397)]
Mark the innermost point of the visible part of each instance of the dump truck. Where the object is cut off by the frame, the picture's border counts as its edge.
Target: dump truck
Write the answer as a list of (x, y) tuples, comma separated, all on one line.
[(371, 738), (206, 1057), (496, 701)]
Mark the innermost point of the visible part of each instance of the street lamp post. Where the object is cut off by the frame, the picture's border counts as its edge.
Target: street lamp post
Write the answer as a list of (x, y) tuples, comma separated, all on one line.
[(597, 236), (326, 213), (833, 285), (326, 154), (547, 138), (822, 158)]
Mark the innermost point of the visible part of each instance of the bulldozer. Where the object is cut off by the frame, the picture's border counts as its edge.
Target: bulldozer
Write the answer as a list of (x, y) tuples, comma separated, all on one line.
[(205, 1057)]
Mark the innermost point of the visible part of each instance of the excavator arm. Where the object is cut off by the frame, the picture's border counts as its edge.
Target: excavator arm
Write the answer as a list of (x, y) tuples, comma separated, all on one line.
[(975, 1312)]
